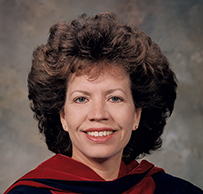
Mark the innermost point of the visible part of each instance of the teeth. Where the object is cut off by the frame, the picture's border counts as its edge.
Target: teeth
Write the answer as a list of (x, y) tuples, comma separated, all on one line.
[(100, 133)]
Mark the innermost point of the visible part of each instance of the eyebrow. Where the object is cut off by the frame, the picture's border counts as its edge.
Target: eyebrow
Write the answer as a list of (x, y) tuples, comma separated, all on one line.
[(80, 91), (114, 90), (108, 92)]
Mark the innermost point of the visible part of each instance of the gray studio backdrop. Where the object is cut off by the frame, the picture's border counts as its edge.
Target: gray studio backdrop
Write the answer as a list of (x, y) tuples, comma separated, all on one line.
[(176, 25)]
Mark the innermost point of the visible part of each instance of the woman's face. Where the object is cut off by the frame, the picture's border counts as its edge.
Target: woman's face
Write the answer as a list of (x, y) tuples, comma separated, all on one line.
[(99, 114)]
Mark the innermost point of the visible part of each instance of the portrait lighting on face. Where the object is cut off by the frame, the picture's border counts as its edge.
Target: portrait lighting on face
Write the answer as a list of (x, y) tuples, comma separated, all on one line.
[(99, 114)]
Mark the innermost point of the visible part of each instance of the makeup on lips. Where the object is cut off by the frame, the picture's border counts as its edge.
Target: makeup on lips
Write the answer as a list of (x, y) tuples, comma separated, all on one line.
[(99, 134)]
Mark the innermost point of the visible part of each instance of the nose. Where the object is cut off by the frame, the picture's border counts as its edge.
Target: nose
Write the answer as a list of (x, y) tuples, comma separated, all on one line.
[(98, 111)]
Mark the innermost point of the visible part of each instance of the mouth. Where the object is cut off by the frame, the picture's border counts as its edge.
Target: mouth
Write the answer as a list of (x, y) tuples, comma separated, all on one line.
[(99, 133)]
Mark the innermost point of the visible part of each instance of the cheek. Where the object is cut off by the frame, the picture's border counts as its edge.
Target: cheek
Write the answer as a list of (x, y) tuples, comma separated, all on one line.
[(125, 117), (74, 117)]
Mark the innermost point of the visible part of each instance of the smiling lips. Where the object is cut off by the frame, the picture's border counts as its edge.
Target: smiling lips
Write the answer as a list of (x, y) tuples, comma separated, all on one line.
[(100, 135)]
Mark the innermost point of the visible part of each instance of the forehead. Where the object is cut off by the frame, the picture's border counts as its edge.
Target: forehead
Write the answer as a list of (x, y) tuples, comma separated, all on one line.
[(93, 68), (99, 72)]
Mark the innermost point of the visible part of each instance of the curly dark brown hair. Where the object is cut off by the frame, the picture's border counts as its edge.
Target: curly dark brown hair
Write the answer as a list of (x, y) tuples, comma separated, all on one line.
[(92, 41)]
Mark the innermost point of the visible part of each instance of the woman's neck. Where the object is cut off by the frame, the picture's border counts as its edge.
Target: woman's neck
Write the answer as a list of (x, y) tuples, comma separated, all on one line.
[(108, 169)]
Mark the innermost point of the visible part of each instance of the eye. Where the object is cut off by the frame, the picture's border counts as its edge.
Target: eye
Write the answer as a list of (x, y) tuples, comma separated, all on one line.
[(80, 99), (115, 99)]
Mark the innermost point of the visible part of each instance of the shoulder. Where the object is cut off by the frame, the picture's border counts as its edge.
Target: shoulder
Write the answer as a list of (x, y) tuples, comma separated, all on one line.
[(168, 184), (22, 189)]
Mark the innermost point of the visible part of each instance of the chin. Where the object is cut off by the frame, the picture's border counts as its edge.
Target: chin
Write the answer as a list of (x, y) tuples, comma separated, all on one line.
[(105, 155)]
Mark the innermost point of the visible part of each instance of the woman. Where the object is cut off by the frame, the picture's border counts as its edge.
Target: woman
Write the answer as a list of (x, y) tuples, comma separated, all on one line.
[(101, 92)]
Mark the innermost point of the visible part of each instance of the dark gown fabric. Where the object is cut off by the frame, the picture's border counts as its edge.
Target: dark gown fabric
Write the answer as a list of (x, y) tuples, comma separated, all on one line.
[(61, 174)]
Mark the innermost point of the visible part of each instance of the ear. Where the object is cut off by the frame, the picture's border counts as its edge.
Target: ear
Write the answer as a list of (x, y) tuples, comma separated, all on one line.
[(63, 120), (137, 117)]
